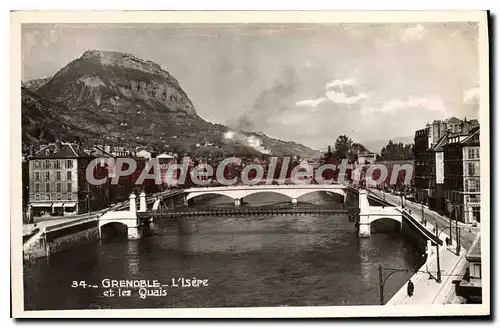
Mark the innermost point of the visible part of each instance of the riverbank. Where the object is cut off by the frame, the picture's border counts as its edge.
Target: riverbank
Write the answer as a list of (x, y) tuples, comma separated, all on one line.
[(54, 236), (452, 266)]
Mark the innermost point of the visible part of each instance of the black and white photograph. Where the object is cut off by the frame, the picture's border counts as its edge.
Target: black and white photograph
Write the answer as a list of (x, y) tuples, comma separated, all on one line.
[(251, 164)]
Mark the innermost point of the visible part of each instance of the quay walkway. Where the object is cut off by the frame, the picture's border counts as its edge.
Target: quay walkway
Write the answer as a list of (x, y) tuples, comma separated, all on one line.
[(427, 289)]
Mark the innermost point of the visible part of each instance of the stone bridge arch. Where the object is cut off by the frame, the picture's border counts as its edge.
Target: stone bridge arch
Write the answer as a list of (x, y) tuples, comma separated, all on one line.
[(292, 193), (374, 218)]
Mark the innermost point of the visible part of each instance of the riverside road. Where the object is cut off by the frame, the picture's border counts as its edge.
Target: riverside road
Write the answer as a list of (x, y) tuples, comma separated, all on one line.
[(468, 233)]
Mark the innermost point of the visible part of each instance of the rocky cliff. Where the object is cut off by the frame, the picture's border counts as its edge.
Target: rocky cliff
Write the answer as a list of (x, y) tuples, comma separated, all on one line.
[(116, 82), (117, 98)]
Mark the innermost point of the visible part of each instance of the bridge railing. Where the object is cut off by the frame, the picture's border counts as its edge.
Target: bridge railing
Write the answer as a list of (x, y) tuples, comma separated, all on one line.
[(260, 208), (69, 224)]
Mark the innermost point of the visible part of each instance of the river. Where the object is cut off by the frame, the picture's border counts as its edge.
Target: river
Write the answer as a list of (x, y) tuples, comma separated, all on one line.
[(246, 261)]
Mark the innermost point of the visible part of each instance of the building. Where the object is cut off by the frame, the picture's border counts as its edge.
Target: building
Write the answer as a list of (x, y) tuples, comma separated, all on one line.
[(401, 182), (436, 175), (422, 162), (144, 154), (58, 184), (462, 176), (470, 287), (425, 142), (366, 158), (117, 151)]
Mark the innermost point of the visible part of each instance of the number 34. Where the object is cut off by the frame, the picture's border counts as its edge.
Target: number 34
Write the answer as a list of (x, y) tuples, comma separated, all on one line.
[(76, 284)]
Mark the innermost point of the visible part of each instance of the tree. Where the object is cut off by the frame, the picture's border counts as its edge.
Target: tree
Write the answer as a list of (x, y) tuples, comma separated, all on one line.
[(343, 147), (396, 152)]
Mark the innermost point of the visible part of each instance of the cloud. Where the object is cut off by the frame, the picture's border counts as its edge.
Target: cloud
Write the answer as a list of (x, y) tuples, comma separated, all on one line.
[(340, 83), (471, 95), (344, 91), (342, 98), (414, 33), (338, 91), (431, 103), (311, 102)]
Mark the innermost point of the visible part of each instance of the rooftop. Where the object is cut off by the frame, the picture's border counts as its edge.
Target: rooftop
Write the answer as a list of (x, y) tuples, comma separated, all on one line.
[(474, 253), (60, 149)]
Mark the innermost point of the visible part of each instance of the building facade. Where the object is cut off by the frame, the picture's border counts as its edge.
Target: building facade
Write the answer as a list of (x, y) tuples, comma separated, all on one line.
[(429, 157), (57, 181), (472, 178), (436, 178), (462, 176), (421, 157)]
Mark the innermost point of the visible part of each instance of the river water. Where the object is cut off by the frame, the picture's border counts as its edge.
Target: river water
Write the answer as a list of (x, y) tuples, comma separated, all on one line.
[(246, 261)]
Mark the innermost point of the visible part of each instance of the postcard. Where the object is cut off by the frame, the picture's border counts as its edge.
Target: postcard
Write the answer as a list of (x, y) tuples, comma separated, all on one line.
[(250, 164)]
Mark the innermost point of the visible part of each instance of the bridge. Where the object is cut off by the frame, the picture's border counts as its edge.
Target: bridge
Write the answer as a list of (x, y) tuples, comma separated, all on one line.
[(248, 211), (137, 218), (237, 193)]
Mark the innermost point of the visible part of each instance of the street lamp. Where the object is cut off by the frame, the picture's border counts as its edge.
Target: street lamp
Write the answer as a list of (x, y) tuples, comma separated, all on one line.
[(382, 280), (436, 227), (423, 213), (457, 231)]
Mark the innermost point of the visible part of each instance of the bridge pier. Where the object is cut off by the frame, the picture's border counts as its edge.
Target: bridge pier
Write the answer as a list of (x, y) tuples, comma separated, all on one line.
[(369, 214), (294, 201), (364, 226), (237, 202), (142, 202), (133, 233), (132, 227)]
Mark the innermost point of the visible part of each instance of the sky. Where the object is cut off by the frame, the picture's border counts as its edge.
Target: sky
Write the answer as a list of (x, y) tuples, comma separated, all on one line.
[(303, 82)]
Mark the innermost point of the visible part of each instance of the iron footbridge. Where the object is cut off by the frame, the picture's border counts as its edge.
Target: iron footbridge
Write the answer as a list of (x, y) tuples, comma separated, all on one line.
[(250, 211)]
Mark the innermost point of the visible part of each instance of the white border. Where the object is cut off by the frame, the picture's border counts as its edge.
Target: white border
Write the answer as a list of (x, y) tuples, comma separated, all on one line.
[(248, 17)]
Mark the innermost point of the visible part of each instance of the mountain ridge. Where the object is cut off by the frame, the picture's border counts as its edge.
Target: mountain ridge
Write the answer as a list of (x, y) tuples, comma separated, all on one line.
[(117, 98)]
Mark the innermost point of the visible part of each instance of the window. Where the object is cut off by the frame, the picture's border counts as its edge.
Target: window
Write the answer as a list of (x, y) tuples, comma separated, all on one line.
[(37, 176), (69, 186), (69, 196), (472, 170), (476, 270), (472, 185), (68, 175), (58, 187), (37, 197), (37, 164), (47, 187), (69, 163), (47, 197), (58, 196), (46, 164), (470, 153), (37, 187), (57, 164), (477, 153), (58, 175), (474, 198), (47, 175)]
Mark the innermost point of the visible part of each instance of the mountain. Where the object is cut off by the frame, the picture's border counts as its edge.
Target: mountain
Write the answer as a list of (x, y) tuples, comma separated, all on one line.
[(34, 85), (119, 99)]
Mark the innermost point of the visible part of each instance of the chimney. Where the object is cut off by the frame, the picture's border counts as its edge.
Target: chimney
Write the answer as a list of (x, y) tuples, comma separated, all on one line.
[(58, 146)]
